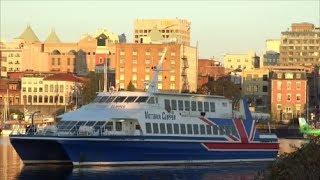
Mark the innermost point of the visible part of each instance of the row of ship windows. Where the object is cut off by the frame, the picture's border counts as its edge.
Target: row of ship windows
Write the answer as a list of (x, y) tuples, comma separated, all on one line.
[(196, 129), (195, 105), (127, 99)]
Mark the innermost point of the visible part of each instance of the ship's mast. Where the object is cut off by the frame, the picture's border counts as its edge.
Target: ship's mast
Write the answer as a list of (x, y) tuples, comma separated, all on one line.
[(105, 77), (153, 86)]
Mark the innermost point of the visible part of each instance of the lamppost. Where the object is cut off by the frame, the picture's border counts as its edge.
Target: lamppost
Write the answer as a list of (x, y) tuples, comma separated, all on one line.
[(32, 123)]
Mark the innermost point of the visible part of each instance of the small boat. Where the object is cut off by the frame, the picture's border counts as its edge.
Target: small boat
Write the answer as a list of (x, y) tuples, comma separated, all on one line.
[(152, 127)]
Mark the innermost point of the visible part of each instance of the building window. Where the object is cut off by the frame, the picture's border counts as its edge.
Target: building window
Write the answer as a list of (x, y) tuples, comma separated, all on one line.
[(279, 84), (279, 75), (23, 89), (298, 97), (122, 52), (58, 61), (255, 88), (134, 69), (289, 76), (278, 97), (264, 88), (51, 88), (265, 77), (35, 89), (46, 88), (121, 69), (298, 85), (52, 61), (68, 61), (147, 77), (134, 77), (288, 85), (288, 97), (298, 76), (135, 52), (61, 88), (121, 77), (29, 89)]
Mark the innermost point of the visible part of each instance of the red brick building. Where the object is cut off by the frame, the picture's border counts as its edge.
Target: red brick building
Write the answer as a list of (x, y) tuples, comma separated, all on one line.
[(209, 69), (135, 63), (288, 94)]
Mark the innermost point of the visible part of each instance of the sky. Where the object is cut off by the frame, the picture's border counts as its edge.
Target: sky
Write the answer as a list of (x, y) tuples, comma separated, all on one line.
[(218, 27)]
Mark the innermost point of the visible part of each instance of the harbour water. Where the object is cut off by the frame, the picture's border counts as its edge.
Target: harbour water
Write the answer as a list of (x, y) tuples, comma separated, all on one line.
[(11, 167)]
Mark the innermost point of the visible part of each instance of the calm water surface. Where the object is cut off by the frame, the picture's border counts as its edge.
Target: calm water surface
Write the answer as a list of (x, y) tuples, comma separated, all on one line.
[(11, 167)]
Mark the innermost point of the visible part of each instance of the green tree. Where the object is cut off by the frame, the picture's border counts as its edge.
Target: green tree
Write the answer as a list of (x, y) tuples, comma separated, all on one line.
[(131, 87), (221, 87), (91, 86)]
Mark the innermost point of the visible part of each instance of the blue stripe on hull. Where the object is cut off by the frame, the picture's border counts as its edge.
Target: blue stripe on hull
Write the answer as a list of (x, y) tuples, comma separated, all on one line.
[(128, 151), (35, 151)]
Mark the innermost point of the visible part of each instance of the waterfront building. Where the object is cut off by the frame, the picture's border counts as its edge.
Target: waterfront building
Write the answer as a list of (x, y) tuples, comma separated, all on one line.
[(242, 61), (288, 92), (255, 88), (49, 89), (180, 28), (9, 89), (135, 63), (301, 45), (270, 58), (209, 70)]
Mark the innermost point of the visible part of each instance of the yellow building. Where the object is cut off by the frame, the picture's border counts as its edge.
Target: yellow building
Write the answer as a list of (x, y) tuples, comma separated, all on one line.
[(273, 45), (167, 27), (45, 89), (241, 61)]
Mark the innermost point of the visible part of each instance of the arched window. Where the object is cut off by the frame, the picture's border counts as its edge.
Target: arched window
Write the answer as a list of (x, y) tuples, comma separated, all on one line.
[(24, 99), (29, 99), (61, 99), (45, 99), (51, 99), (56, 52), (40, 99), (35, 99)]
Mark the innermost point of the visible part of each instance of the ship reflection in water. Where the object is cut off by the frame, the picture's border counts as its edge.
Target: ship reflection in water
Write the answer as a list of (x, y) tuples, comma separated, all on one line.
[(11, 167)]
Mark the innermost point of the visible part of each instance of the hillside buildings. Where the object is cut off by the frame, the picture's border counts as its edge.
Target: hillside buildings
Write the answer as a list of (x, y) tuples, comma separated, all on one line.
[(241, 61)]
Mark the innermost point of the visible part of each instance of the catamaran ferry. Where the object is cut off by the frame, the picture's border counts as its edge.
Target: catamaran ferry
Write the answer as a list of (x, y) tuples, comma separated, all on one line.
[(125, 128)]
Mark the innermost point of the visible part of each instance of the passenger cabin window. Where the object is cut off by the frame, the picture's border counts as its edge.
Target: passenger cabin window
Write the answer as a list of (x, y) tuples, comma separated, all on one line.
[(195, 129), (206, 106), (200, 106), (176, 128), (189, 128), (162, 128), (202, 129), (90, 123), (174, 104), (110, 99), (142, 99), (120, 99), (169, 128), (180, 105), (193, 106), (187, 105), (209, 130), (155, 128), (109, 126), (97, 99), (130, 99), (103, 99), (151, 100), (148, 128), (118, 126), (167, 104), (183, 128), (212, 107), (215, 130)]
